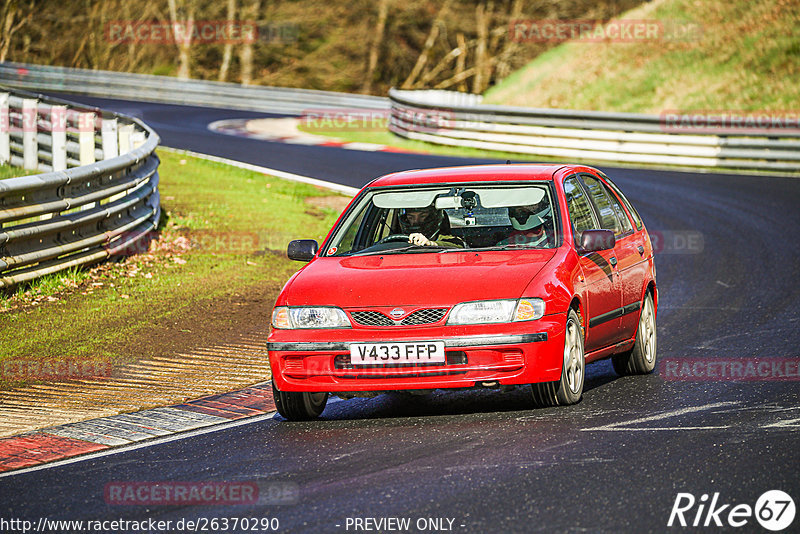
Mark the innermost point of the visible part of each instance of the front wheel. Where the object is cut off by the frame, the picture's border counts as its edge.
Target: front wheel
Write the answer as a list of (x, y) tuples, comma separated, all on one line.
[(569, 389), (642, 358), (299, 405)]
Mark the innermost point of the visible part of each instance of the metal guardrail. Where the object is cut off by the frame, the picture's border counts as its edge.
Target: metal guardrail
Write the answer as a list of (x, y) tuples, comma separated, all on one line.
[(99, 196), (446, 118), (170, 90)]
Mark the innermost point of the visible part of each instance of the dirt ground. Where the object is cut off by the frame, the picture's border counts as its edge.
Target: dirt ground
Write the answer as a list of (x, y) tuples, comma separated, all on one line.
[(214, 347)]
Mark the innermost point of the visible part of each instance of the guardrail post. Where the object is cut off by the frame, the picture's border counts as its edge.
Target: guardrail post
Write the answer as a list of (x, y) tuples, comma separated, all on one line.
[(125, 133), (138, 139), (5, 139), (86, 142), (58, 121), (86, 138), (30, 145), (110, 139)]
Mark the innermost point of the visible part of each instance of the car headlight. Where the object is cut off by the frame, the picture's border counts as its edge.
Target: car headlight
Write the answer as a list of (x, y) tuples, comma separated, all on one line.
[(309, 317), (496, 311)]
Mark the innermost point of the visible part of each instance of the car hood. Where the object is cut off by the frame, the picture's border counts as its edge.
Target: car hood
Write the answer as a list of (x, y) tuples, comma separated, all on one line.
[(427, 279)]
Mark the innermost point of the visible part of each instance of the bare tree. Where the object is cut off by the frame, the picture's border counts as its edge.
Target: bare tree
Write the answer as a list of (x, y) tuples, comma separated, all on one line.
[(183, 38), (10, 12), (511, 46), (133, 53), (461, 61), (443, 63), (483, 15), (246, 51), (87, 53), (227, 53), (380, 26), (426, 48)]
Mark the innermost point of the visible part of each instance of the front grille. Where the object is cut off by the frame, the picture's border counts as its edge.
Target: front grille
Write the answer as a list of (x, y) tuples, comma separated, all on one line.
[(432, 315), (375, 318), (371, 318)]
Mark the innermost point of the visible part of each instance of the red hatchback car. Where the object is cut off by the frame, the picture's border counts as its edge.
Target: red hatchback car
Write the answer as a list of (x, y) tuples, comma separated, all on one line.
[(461, 277)]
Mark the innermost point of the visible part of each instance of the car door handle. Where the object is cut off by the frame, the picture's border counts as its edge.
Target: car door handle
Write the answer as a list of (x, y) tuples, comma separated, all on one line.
[(612, 260), (640, 248)]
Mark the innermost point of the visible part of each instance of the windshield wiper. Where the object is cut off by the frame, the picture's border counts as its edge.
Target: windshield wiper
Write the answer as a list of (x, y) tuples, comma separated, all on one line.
[(420, 248), (504, 247)]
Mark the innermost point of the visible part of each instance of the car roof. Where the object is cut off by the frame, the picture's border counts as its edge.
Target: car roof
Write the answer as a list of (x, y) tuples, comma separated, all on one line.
[(471, 173)]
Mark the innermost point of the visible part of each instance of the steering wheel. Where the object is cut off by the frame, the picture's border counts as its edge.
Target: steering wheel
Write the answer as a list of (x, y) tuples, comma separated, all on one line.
[(393, 237)]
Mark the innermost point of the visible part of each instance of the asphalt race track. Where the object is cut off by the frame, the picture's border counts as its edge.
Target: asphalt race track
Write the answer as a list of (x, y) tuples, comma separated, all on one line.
[(487, 460)]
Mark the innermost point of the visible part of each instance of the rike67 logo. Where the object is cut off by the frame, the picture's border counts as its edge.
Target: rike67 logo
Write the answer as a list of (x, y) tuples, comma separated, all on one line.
[(774, 510)]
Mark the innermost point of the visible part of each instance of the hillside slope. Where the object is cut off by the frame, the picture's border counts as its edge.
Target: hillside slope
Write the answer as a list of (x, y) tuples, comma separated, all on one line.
[(746, 57)]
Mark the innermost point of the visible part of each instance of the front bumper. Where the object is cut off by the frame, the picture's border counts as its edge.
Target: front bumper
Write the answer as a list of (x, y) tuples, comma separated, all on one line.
[(516, 353)]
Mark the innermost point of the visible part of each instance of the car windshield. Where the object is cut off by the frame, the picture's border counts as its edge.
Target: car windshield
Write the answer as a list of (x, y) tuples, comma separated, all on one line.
[(449, 218)]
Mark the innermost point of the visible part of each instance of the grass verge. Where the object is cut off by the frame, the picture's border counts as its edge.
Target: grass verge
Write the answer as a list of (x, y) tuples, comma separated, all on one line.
[(7, 171), (220, 249)]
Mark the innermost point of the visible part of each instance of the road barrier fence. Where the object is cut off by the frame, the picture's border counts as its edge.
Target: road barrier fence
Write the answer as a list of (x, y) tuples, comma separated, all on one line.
[(95, 191), (724, 140), (171, 90)]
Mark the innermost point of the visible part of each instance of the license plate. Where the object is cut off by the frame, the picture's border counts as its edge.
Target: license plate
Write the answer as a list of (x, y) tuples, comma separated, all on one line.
[(389, 353)]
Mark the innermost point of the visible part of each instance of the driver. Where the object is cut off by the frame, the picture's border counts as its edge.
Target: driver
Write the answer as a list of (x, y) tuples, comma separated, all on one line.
[(529, 225), (425, 225)]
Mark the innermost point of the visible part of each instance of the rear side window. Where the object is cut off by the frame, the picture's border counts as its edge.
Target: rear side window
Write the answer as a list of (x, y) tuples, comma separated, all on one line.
[(580, 211), (637, 220), (612, 216)]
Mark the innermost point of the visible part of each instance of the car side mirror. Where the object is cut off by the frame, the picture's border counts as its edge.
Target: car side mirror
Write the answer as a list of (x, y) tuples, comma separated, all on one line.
[(594, 240), (302, 249)]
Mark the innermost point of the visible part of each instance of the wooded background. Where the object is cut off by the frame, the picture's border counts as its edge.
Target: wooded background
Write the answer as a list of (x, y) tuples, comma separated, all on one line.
[(363, 46)]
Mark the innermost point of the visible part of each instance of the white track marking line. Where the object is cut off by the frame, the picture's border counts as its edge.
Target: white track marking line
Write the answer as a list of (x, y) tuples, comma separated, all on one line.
[(347, 190), (790, 424), (142, 445), (665, 415)]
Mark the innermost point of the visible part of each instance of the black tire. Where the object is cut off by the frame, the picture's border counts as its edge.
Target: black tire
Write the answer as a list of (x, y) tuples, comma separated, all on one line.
[(641, 359), (569, 389), (299, 406)]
